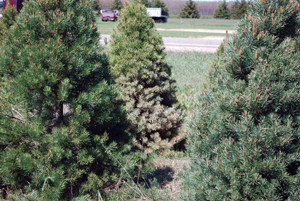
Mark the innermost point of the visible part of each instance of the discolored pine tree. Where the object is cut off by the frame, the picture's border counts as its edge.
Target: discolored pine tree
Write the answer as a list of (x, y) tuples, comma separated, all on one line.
[(143, 79), (244, 141)]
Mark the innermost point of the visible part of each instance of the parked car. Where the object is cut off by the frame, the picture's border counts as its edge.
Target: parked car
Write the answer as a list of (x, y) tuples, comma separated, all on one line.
[(109, 15)]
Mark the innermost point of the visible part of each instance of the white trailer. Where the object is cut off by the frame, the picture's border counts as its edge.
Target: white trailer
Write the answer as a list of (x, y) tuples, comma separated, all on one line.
[(155, 14)]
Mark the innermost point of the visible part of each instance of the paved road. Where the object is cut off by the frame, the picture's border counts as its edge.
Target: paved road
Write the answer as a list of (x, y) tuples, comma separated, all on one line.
[(205, 44)]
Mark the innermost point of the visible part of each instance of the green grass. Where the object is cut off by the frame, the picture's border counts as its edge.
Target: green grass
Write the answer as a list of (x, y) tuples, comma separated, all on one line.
[(174, 23), (189, 70), (179, 23), (182, 34), (174, 34)]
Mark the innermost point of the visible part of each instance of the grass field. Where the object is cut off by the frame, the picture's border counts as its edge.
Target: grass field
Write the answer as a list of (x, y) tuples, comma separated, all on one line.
[(178, 23), (175, 23), (189, 70), (174, 34)]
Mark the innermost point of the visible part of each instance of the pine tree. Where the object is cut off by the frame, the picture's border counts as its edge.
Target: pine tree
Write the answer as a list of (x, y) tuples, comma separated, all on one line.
[(222, 12), (60, 126), (162, 5), (239, 9), (244, 140), (143, 79), (190, 10), (116, 5)]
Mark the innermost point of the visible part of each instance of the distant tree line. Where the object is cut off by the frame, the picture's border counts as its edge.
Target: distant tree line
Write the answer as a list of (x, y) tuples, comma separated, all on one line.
[(184, 9), (237, 10)]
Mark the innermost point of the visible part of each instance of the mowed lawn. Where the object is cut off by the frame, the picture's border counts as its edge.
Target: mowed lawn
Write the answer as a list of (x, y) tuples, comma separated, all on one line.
[(175, 23), (189, 69), (179, 23)]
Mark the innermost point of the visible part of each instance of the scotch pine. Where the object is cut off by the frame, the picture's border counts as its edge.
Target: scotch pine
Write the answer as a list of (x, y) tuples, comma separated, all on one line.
[(244, 140), (143, 79), (59, 122)]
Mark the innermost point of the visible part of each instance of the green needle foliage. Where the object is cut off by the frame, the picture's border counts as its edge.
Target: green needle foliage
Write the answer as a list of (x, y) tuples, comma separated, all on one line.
[(61, 130), (222, 12), (244, 143), (190, 10), (8, 18), (142, 77)]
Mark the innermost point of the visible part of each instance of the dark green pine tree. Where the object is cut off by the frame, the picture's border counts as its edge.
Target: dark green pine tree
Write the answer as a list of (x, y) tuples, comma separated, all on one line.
[(245, 134), (190, 10), (143, 79), (60, 126), (222, 12), (239, 9), (117, 5), (160, 4)]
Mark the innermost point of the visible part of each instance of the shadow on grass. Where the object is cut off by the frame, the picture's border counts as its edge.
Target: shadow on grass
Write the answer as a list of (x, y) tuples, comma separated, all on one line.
[(163, 176)]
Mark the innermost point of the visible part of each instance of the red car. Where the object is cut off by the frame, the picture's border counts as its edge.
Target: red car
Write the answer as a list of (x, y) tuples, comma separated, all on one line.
[(109, 15), (18, 4)]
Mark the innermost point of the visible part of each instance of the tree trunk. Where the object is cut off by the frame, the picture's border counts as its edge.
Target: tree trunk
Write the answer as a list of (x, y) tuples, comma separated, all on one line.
[(59, 116)]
